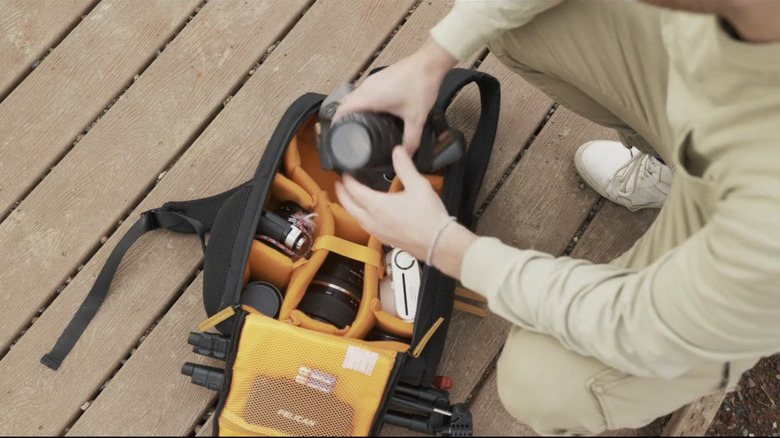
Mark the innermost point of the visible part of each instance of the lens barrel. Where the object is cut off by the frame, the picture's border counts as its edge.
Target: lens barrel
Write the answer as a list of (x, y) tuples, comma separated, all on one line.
[(277, 226), (365, 140), (335, 291)]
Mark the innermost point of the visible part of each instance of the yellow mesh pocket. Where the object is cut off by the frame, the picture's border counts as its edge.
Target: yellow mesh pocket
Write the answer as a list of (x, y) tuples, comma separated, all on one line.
[(292, 381)]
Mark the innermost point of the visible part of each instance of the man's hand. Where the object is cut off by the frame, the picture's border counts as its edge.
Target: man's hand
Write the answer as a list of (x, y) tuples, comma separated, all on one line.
[(406, 89), (409, 219)]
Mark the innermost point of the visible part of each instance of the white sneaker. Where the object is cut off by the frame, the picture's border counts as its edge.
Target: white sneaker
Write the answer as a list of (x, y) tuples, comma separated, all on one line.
[(626, 177)]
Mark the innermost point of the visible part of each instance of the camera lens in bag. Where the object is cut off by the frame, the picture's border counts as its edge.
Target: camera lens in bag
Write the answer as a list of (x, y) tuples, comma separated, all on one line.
[(365, 140), (335, 291), (281, 230)]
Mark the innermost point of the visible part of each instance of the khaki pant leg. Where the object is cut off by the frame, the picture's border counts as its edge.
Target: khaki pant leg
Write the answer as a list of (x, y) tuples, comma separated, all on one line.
[(558, 392), (604, 60)]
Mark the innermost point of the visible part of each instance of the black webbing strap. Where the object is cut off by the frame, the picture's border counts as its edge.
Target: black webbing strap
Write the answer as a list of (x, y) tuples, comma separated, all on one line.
[(481, 145), (150, 220)]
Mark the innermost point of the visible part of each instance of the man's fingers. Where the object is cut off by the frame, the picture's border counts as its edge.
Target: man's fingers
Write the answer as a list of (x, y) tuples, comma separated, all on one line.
[(369, 200), (404, 168), (412, 134), (354, 102)]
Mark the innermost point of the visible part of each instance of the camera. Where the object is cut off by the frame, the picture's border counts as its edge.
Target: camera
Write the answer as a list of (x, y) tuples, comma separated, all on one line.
[(362, 143), (400, 287), (288, 229), (335, 292)]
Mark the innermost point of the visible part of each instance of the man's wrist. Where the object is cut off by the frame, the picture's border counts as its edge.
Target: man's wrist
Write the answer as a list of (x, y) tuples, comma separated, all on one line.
[(436, 60), (451, 248)]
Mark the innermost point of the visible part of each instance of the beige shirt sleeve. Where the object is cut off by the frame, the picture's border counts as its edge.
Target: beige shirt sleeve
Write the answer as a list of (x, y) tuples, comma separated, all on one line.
[(471, 24), (712, 299)]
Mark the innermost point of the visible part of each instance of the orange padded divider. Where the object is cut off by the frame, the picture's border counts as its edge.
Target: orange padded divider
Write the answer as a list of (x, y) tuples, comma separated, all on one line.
[(302, 320), (389, 322), (350, 250), (347, 227), (304, 272), (284, 189), (308, 158), (268, 264)]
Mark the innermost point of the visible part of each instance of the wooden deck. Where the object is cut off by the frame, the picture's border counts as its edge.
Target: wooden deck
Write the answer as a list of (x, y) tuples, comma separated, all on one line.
[(112, 107)]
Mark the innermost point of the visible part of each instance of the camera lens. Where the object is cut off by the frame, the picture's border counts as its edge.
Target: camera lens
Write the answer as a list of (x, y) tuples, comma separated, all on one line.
[(277, 227), (351, 145), (335, 292), (365, 140)]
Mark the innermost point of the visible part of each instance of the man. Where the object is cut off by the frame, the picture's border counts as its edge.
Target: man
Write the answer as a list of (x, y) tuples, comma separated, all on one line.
[(693, 90)]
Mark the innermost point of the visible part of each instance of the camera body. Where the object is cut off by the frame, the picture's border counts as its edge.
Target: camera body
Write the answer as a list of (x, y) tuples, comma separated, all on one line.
[(362, 143), (400, 287)]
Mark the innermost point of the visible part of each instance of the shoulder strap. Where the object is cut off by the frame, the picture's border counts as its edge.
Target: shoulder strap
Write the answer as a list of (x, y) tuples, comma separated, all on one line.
[(195, 216), (481, 145)]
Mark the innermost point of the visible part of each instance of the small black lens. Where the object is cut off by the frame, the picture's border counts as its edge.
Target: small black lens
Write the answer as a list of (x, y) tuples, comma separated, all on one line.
[(335, 292)]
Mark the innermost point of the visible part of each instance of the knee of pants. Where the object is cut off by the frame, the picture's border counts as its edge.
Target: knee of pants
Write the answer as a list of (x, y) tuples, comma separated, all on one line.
[(538, 387)]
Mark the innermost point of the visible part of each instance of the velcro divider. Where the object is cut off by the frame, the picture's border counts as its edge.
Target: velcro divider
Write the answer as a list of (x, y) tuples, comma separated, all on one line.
[(349, 249), (390, 323)]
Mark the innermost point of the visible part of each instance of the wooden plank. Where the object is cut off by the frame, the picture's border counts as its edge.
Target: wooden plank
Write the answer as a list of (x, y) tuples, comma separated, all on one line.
[(521, 103), (71, 87), (207, 428), (63, 219), (695, 418), (329, 44), (470, 308), (171, 338), (30, 28), (543, 202), (147, 397), (612, 232), (541, 205)]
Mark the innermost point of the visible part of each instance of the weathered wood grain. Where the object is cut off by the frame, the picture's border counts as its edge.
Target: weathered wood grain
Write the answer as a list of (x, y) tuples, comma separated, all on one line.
[(330, 44), (523, 106), (612, 232), (63, 219), (149, 395), (29, 29), (68, 90), (695, 418)]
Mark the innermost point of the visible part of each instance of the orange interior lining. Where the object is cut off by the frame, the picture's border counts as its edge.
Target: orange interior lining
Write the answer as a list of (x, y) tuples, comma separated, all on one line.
[(314, 189)]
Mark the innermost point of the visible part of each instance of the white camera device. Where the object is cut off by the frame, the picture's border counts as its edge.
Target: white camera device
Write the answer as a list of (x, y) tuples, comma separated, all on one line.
[(400, 287)]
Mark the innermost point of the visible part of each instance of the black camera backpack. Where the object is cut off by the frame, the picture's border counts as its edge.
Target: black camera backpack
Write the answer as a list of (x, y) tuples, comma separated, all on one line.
[(290, 375)]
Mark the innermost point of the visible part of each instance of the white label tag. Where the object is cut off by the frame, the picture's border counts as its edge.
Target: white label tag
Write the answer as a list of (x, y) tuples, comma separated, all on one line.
[(360, 360)]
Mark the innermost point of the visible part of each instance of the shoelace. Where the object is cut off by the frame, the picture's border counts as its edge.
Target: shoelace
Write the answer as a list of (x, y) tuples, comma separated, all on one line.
[(637, 168)]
